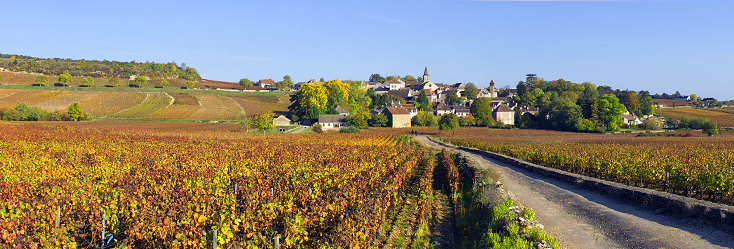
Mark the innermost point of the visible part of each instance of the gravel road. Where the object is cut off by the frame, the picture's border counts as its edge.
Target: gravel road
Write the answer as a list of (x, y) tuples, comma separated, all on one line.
[(580, 218)]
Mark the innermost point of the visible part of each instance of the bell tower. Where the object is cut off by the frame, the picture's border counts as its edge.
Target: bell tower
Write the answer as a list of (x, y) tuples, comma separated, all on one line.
[(425, 75)]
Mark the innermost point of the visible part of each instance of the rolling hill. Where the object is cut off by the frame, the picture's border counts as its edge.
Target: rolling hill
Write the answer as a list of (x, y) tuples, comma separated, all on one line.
[(148, 103)]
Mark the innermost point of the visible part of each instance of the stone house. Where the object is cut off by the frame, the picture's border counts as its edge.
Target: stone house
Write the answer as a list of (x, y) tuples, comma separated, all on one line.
[(399, 117)]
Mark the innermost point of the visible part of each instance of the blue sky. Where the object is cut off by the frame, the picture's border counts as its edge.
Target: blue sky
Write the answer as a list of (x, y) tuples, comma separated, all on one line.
[(658, 46)]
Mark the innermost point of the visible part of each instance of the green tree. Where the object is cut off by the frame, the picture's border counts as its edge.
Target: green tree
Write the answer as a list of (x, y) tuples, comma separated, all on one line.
[(140, 80), (694, 98), (2, 78), (88, 81), (409, 78), (424, 118), (28, 113), (379, 120), (321, 80), (423, 103), (165, 83), (647, 107), (470, 91), (453, 99), (710, 128), (285, 83), (376, 78), (357, 121), (588, 99), (609, 112), (264, 122), (65, 78), (448, 122), (75, 112), (481, 109), (246, 82), (189, 84), (41, 79)]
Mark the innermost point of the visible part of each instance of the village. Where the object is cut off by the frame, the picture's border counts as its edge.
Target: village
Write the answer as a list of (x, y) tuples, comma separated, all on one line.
[(443, 98)]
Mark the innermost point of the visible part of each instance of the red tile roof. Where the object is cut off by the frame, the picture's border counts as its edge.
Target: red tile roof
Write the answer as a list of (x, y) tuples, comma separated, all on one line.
[(397, 111)]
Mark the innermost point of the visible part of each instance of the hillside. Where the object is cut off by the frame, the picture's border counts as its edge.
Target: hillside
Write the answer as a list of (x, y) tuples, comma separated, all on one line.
[(148, 102), (724, 117), (97, 69)]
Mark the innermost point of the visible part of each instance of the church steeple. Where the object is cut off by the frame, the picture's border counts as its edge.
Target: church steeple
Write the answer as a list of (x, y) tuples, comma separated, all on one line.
[(425, 75)]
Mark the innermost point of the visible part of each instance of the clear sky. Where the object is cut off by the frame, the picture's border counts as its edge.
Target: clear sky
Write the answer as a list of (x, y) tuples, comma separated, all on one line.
[(658, 46)]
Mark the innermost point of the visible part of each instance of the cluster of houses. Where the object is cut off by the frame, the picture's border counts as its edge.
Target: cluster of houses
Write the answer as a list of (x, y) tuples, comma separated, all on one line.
[(400, 114)]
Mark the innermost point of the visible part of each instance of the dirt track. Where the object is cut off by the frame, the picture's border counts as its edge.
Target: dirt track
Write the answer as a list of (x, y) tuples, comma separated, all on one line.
[(580, 218)]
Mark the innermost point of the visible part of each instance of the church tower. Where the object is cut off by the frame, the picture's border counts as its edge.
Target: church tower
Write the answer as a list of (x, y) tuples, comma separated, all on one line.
[(425, 75)]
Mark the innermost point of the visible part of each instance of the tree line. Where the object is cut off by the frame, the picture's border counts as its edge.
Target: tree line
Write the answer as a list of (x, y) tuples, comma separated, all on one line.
[(95, 68)]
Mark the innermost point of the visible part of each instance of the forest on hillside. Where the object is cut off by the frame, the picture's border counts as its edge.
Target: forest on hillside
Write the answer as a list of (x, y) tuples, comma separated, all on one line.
[(95, 68)]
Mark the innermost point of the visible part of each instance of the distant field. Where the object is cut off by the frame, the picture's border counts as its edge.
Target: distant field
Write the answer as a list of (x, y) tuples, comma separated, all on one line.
[(64, 100), (114, 103), (161, 103), (723, 117), (671, 102), (153, 103), (214, 107)]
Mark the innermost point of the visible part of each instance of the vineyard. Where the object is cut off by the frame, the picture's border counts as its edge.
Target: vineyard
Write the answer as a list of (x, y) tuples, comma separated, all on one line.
[(154, 104), (696, 166), (723, 117), (153, 190)]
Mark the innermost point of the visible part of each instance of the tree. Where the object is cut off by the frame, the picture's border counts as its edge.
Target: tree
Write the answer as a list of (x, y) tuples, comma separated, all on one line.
[(28, 113), (481, 109), (471, 91), (631, 101), (694, 98), (376, 78), (423, 104), (246, 123), (322, 79), (2, 78), (379, 120), (113, 81), (710, 128), (40, 79), (452, 99), (609, 112), (424, 118), (654, 124), (337, 92), (468, 120), (448, 122), (246, 82), (88, 81), (165, 83), (285, 83), (75, 112), (65, 78), (308, 102), (189, 84), (409, 78), (586, 101), (141, 80), (357, 121), (264, 122)]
